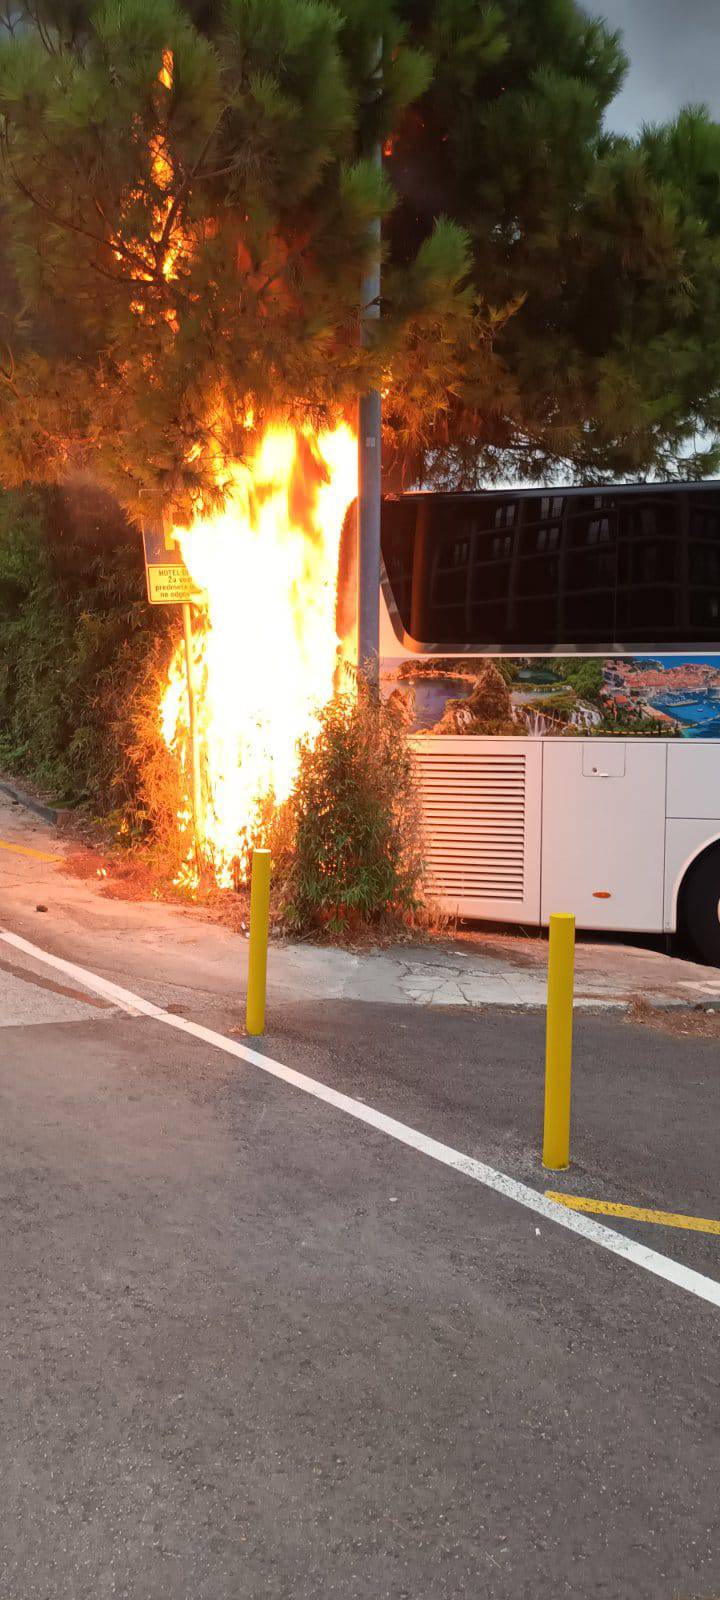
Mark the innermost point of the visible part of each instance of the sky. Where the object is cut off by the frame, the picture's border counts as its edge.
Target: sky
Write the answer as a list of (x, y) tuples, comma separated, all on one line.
[(674, 50)]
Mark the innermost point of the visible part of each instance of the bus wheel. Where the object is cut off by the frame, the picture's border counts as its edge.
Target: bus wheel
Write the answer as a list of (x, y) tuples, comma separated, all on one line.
[(699, 907)]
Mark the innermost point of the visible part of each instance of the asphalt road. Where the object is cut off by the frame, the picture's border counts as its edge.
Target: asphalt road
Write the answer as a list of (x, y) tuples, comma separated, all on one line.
[(252, 1347)]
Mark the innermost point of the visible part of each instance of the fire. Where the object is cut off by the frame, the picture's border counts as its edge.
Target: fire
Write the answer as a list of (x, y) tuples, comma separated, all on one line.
[(265, 648), (168, 242)]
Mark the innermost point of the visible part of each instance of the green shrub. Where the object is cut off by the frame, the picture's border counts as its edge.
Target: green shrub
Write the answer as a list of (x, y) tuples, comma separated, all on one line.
[(77, 643), (356, 855)]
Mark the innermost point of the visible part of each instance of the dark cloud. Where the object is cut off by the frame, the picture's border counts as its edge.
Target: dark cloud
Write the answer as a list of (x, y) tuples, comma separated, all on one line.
[(674, 50)]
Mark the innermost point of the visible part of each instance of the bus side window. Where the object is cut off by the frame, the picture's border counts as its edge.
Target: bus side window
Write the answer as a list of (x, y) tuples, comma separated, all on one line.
[(467, 579), (590, 574), (398, 536), (534, 605), (620, 569), (649, 569), (703, 565)]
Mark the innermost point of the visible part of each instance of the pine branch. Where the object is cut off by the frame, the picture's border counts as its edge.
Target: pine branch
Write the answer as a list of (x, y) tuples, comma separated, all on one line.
[(182, 191), (33, 15), (66, 223)]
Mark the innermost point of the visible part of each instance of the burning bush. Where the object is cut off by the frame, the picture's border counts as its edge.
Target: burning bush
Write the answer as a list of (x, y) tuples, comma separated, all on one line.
[(356, 856), (265, 640), (83, 670)]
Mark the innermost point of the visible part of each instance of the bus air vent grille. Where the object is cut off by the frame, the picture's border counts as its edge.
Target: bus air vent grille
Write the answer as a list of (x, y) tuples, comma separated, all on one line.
[(474, 820)]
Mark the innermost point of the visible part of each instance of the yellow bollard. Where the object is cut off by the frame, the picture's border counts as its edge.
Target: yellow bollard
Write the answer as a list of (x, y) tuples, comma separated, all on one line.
[(558, 1042), (257, 955)]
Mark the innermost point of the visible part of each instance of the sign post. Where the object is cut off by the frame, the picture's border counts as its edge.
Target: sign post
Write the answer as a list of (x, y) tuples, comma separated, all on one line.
[(194, 745), (170, 583)]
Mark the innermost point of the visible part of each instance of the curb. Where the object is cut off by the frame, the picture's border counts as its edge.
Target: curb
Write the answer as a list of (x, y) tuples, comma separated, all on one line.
[(48, 813), (586, 1006)]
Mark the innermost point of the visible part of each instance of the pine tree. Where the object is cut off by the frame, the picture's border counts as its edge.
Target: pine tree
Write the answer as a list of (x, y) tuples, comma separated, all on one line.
[(607, 247), (186, 206), (186, 210)]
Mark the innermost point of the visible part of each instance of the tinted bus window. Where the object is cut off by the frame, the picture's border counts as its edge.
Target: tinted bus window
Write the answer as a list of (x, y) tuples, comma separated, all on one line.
[(615, 570)]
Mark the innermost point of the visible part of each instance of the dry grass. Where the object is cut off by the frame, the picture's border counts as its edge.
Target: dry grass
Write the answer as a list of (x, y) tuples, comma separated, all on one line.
[(134, 874), (701, 1022)]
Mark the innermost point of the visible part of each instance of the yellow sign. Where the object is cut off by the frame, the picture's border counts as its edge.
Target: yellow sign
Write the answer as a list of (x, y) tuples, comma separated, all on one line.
[(170, 585), (168, 581)]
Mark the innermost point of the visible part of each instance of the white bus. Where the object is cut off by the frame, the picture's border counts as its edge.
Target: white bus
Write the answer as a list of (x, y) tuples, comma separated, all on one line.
[(559, 655)]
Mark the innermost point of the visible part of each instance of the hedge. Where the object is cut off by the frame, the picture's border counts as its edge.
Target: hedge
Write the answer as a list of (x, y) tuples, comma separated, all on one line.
[(79, 646)]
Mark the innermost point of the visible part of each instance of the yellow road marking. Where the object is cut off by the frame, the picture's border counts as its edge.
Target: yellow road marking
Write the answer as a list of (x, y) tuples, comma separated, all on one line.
[(610, 1208), (24, 850)]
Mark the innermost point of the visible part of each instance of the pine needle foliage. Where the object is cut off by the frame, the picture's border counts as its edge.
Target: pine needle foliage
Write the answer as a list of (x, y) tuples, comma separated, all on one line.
[(607, 248), (187, 200), (187, 207)]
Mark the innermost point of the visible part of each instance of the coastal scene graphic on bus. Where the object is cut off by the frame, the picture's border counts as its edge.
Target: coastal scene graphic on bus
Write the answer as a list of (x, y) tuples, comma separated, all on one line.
[(667, 696)]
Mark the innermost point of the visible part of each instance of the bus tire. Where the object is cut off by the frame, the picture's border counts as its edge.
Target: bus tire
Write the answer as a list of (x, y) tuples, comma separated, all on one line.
[(699, 907)]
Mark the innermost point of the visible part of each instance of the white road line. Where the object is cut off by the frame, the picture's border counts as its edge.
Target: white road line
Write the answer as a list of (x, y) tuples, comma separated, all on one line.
[(135, 1006), (574, 1221)]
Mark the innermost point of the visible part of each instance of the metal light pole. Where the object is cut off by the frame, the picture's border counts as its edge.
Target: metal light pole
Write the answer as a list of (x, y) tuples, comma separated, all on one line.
[(370, 462)]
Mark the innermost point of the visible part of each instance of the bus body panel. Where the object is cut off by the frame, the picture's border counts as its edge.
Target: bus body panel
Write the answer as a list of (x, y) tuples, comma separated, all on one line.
[(693, 780), (518, 828), (603, 832), (482, 808), (582, 626)]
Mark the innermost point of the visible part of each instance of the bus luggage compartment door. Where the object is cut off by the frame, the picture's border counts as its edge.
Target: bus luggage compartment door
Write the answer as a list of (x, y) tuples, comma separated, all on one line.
[(481, 800), (603, 832)]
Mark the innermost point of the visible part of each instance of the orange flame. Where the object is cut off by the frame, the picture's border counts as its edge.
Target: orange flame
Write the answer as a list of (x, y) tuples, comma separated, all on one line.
[(163, 173), (167, 239), (266, 653)]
